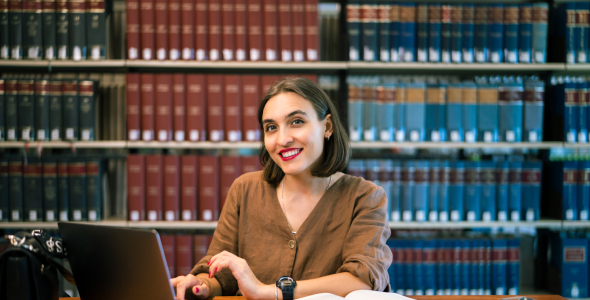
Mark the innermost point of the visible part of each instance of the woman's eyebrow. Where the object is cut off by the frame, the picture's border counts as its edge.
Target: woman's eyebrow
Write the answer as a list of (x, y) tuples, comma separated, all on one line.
[(300, 112)]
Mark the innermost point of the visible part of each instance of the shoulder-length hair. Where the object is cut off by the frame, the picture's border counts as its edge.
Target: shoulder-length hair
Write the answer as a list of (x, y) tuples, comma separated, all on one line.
[(336, 150)]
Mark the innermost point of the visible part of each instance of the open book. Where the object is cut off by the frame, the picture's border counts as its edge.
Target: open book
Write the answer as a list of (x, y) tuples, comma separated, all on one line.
[(358, 295)]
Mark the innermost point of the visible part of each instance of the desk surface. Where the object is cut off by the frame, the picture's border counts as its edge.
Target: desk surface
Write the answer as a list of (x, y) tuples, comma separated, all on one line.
[(535, 297)]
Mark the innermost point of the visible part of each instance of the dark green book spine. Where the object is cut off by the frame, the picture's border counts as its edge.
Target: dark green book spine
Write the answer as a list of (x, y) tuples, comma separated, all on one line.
[(71, 107), (26, 110), (62, 33), (87, 110), (96, 32), (2, 111), (4, 208), (32, 29), (63, 190), (49, 29), (77, 176), (55, 110), (50, 205), (77, 9), (4, 30), (11, 108), (94, 189), (15, 11), (15, 190), (33, 190), (42, 110)]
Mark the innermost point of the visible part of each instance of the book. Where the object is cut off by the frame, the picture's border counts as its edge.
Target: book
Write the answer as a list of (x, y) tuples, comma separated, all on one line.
[(77, 28), (583, 100), (249, 164), (15, 190), (415, 107), (429, 266), (582, 27), (250, 92), (444, 185), (71, 110), (574, 267), (421, 180), (456, 191), (456, 267), (488, 191), (422, 26), (384, 177), (570, 190), (369, 112), (173, 29), (525, 34), (298, 27), (515, 190), (133, 106), (480, 44), (496, 33), (55, 110), (469, 95), (465, 265), (200, 246), (133, 32), (188, 187), (163, 106), (162, 25), (418, 272), (355, 110), (394, 31), (396, 192), (11, 109), (270, 21), (539, 32), (77, 191), (50, 199), (584, 190), (136, 187), (228, 28), (33, 190), (510, 111), (369, 31), (87, 110), (146, 14), (385, 111), (446, 33), (534, 94), (454, 112), (208, 188), (171, 187), (531, 189), (4, 30), (196, 107), (63, 30), (232, 95), (502, 192), (456, 33), (169, 246), (4, 187), (215, 107), (407, 191), (434, 173), (473, 193), (96, 31), (434, 32), (63, 187), (241, 23), (285, 30), (147, 101), (41, 110), (178, 107), (499, 266), (407, 32), (94, 173), (384, 18), (153, 187), (311, 30), (15, 11), (444, 274), (184, 254), (230, 170), (187, 25), (201, 30), (511, 20), (255, 31), (409, 267), (468, 32), (26, 110), (435, 112), (2, 111), (487, 113), (399, 110), (571, 113), (32, 29)]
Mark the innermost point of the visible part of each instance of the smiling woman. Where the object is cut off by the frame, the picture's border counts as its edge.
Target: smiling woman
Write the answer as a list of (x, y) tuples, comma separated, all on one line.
[(299, 227)]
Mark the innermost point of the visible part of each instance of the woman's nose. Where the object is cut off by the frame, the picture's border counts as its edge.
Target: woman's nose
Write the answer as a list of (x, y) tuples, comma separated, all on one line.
[(285, 137)]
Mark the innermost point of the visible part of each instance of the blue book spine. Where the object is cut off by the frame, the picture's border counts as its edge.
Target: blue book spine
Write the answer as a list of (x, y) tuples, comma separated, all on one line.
[(583, 99), (510, 104), (396, 191), (407, 191), (442, 119), (488, 267), (50, 200), (531, 189), (487, 113), (496, 32), (384, 34), (455, 113), (511, 33), (570, 32), (370, 113), (539, 40), (499, 266), (409, 267), (584, 190), (477, 268), (434, 42), (456, 33), (444, 186), (33, 190), (456, 191), (407, 32), (574, 268), (445, 43), (473, 191), (422, 33), (400, 267), (418, 268), (392, 270), (450, 266), (456, 265), (353, 22), (582, 14), (515, 191), (369, 34), (488, 191), (502, 177), (433, 191), (570, 190), (481, 33), (470, 112), (434, 105), (525, 33), (468, 32), (355, 111), (385, 112), (441, 267), (421, 190), (429, 266), (394, 31), (400, 112), (513, 266), (571, 113), (465, 267), (534, 94), (15, 190), (416, 108)]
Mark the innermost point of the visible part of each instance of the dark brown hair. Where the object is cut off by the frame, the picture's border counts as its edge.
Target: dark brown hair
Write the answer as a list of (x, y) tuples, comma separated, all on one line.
[(336, 150)]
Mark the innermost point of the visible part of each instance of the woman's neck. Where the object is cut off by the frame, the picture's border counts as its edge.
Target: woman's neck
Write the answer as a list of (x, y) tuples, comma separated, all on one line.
[(304, 184)]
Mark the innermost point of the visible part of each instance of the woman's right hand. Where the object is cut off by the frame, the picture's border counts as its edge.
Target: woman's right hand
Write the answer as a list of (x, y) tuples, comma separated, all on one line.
[(197, 286)]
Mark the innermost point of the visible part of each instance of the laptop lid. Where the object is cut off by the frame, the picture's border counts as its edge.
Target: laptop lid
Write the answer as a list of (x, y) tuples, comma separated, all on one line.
[(116, 263)]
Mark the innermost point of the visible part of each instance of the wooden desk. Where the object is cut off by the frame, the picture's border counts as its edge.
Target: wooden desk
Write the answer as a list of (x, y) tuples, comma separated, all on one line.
[(535, 297)]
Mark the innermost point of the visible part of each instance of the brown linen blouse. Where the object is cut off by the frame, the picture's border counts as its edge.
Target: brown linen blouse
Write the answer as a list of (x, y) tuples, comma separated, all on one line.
[(345, 232)]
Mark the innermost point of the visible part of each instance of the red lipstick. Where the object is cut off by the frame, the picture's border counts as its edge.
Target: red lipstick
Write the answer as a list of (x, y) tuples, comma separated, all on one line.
[(289, 150)]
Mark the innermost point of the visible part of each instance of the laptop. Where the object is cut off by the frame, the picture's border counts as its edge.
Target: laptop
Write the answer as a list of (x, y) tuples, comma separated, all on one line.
[(116, 263)]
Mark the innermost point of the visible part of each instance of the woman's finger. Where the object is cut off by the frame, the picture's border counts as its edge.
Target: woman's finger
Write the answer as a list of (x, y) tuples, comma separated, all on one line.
[(176, 280), (201, 291), (218, 256), (219, 265)]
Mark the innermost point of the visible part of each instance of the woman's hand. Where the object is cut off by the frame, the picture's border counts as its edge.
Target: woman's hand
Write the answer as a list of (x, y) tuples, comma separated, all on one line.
[(198, 287), (249, 285)]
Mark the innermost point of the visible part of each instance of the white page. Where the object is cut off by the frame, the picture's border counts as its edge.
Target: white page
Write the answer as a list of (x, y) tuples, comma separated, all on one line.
[(322, 296), (374, 295)]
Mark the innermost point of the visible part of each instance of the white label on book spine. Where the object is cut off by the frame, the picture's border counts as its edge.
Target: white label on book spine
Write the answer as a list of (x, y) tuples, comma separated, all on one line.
[(86, 135), (55, 134), (216, 135), (414, 136), (69, 133), (456, 56), (170, 215), (465, 292), (539, 57), (355, 135), (444, 216), (162, 135), (186, 215), (193, 135), (495, 58), (400, 135), (467, 56), (446, 57), (394, 56), (134, 215), (368, 54), (33, 215), (179, 136), (286, 55), (470, 216), (455, 136), (570, 59), (395, 216), (530, 215), (147, 54), (63, 215), (214, 54), (407, 216), (569, 214), (147, 135), (174, 54), (420, 216), (92, 215), (582, 137), (4, 53), (77, 53), (11, 134), (385, 136), (312, 54), (228, 54), (234, 135), (487, 216), (15, 215), (525, 57), (470, 136), (512, 57), (513, 291), (161, 54), (488, 137), (240, 55), (369, 135), (353, 54), (201, 55), (502, 216), (584, 215), (422, 57), (41, 134), (133, 135), (384, 55), (533, 137), (510, 136), (254, 54), (132, 53), (298, 55), (455, 216), (49, 216), (271, 55), (251, 135), (207, 215), (435, 136), (432, 216), (77, 215), (429, 292), (26, 134), (152, 215), (434, 55), (571, 137), (480, 56)]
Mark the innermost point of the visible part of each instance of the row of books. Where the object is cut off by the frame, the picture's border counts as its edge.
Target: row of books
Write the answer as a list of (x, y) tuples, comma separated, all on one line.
[(51, 189), (458, 33), (230, 30), (441, 191), (572, 24), (55, 29), (195, 107), (480, 266), (442, 109), (185, 187), (44, 110), (568, 260), (572, 95), (184, 251), (576, 190)]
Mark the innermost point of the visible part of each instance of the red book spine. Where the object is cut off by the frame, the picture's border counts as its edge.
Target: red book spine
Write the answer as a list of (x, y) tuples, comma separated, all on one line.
[(147, 107), (174, 29), (188, 187), (133, 106), (147, 28), (184, 254), (312, 77), (266, 81), (215, 107), (196, 116), (171, 187), (153, 187), (163, 126), (230, 171), (136, 187), (133, 29), (208, 188), (298, 9), (251, 97), (169, 246), (255, 39), (161, 8), (201, 245), (270, 30), (187, 11), (179, 105), (201, 30), (285, 30), (228, 29), (233, 108), (241, 29), (214, 30), (312, 30), (250, 164)]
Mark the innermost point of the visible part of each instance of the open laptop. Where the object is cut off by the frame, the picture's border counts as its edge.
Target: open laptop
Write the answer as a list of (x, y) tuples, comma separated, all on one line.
[(116, 263)]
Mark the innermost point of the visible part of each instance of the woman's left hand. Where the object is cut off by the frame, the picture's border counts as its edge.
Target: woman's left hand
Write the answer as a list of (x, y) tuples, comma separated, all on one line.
[(249, 285)]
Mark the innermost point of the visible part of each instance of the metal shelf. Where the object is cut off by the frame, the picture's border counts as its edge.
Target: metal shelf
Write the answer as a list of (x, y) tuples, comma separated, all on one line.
[(85, 145), (437, 145), (194, 145), (576, 145), (173, 225), (576, 224), (368, 66), (241, 65), (474, 224), (65, 64), (577, 67), (53, 225)]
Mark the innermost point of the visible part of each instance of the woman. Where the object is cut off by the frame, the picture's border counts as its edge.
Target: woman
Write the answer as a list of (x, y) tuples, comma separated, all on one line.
[(300, 217)]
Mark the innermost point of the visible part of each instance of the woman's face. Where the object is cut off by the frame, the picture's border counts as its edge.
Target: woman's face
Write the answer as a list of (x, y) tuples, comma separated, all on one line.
[(293, 135)]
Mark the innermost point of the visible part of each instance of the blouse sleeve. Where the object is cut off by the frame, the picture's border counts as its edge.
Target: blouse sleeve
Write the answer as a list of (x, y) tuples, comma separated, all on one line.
[(365, 253), (224, 238)]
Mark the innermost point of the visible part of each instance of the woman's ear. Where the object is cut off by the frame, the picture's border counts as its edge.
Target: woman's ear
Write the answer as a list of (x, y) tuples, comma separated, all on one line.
[(329, 126)]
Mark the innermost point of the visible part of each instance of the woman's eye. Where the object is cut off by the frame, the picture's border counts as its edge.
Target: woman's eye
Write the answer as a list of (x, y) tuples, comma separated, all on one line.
[(270, 127), (298, 121)]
